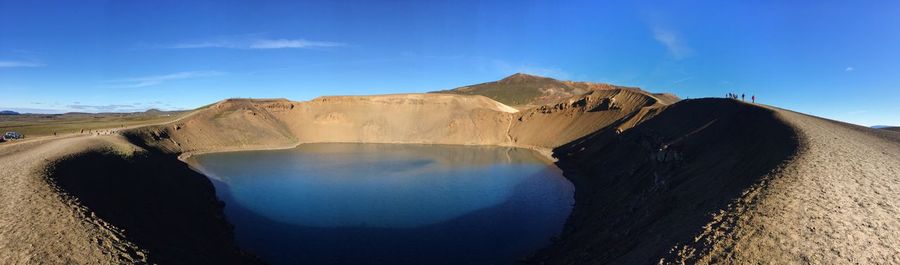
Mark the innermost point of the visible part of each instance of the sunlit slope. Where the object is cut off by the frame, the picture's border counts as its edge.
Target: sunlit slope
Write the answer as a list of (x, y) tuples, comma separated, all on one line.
[(407, 118), (529, 90), (559, 123)]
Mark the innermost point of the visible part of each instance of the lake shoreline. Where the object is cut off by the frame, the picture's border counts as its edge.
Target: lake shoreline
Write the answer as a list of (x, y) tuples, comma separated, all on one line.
[(467, 158)]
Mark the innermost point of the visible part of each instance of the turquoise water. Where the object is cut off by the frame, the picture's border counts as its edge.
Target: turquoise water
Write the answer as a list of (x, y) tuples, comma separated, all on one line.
[(390, 203)]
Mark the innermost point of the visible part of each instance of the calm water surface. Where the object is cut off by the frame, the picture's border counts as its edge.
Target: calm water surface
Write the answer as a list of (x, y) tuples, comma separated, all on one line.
[(390, 203)]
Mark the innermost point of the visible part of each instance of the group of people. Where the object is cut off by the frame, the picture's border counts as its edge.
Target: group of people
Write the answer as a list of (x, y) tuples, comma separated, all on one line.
[(735, 97)]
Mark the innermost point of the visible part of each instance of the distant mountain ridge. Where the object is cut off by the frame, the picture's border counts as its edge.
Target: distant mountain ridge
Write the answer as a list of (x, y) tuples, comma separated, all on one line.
[(524, 89), (8, 112)]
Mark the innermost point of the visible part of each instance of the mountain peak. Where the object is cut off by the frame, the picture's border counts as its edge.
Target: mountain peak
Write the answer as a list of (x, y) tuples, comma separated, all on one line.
[(521, 77), (525, 89)]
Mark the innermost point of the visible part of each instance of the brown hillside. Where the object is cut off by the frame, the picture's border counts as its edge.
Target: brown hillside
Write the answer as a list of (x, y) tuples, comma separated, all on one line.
[(408, 118), (556, 124)]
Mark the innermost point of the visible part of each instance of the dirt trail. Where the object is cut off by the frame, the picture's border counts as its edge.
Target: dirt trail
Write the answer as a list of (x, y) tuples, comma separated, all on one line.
[(836, 202), (38, 225)]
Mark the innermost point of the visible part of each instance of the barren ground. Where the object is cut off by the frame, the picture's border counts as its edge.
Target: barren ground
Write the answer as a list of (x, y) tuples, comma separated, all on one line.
[(832, 200)]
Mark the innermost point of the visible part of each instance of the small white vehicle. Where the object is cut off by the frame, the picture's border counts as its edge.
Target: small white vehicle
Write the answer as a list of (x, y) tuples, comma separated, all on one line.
[(12, 136)]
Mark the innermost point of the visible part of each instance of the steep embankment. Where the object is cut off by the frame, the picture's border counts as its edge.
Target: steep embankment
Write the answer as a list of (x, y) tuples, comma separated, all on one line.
[(262, 124), (719, 181), (40, 225), (834, 202), (560, 123), (411, 118), (648, 189), (101, 200)]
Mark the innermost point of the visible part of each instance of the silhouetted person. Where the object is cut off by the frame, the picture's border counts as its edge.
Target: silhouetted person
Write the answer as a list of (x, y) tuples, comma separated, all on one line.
[(753, 98), (742, 97)]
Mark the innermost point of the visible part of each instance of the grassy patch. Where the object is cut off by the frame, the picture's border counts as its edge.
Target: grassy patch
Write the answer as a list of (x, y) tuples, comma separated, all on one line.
[(32, 125)]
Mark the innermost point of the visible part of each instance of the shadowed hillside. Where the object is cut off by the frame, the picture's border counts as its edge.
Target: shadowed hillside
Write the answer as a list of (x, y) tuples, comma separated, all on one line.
[(642, 192), (896, 129), (166, 208)]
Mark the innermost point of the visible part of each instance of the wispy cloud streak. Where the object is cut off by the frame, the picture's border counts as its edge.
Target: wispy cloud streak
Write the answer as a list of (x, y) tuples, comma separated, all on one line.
[(673, 42), (158, 79), (12, 64), (254, 44)]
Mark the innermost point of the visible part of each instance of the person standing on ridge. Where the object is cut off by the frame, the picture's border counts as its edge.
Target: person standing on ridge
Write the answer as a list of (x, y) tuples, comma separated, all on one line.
[(742, 97), (753, 98)]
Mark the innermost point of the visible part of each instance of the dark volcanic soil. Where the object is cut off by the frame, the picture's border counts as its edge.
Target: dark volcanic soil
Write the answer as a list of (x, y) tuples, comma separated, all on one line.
[(166, 208), (641, 193)]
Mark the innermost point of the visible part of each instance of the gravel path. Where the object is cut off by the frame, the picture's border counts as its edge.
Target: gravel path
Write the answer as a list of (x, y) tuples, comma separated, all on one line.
[(837, 202), (40, 226)]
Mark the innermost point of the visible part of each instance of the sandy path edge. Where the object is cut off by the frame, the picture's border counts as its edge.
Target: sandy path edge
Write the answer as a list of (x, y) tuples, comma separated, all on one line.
[(41, 224), (835, 202)]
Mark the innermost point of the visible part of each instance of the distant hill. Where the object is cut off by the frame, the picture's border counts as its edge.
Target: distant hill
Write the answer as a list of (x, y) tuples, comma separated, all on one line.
[(889, 128), (8, 112), (524, 89)]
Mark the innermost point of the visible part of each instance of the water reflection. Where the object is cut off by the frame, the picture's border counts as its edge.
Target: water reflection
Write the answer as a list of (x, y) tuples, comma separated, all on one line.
[(340, 203)]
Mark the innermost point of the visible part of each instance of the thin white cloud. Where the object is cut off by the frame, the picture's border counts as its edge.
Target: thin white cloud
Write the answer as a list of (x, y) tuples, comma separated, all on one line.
[(849, 69), (11, 64), (77, 107), (254, 43), (34, 110), (101, 108), (286, 43), (121, 108), (673, 42), (158, 79), (679, 81)]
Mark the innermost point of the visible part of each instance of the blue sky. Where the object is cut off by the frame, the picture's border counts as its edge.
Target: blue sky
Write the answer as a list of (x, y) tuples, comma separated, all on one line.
[(836, 59)]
